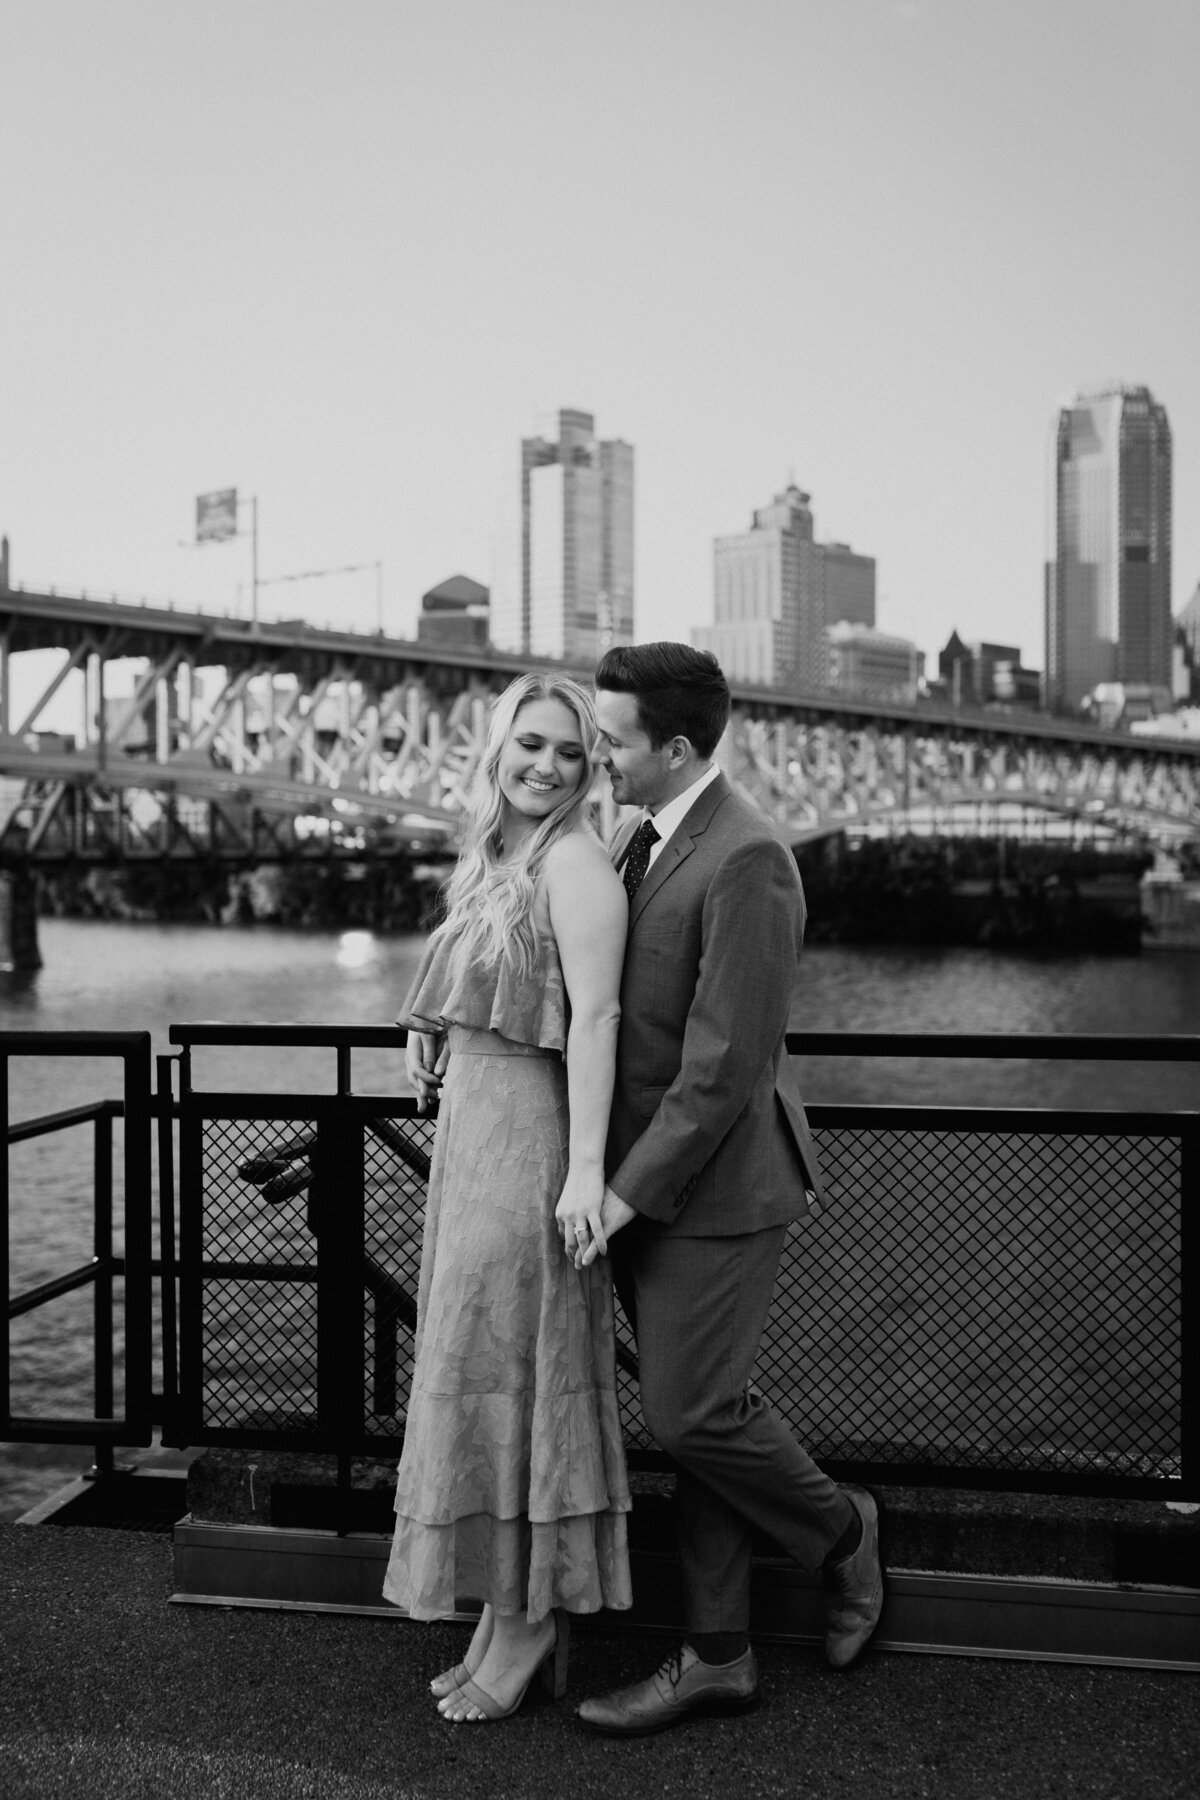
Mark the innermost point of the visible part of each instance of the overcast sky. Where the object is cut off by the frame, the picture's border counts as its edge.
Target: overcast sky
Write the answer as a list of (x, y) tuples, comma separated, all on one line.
[(344, 255)]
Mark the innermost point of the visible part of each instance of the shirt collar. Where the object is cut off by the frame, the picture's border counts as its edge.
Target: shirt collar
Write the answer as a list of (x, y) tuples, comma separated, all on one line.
[(670, 817)]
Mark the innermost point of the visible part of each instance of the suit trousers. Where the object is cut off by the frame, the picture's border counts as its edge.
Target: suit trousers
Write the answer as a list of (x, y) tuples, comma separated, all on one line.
[(697, 1307)]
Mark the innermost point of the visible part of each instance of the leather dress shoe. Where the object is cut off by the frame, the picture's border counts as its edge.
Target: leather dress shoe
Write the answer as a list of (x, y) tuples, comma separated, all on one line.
[(681, 1689), (854, 1588)]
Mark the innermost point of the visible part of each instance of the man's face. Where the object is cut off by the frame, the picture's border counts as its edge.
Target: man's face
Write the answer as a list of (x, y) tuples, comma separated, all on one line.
[(640, 775)]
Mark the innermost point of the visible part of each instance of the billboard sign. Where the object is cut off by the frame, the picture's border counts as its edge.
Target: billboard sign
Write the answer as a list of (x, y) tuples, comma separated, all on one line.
[(216, 515)]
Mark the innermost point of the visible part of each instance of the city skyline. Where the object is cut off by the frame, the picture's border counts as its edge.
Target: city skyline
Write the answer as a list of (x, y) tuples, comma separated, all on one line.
[(342, 257)]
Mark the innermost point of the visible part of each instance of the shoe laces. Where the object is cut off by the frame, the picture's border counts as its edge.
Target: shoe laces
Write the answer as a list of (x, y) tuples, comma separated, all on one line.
[(836, 1576), (672, 1670)]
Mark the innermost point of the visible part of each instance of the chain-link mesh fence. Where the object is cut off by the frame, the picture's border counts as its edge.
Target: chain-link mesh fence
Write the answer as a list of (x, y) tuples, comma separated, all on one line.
[(258, 1323), (987, 1300), (999, 1301)]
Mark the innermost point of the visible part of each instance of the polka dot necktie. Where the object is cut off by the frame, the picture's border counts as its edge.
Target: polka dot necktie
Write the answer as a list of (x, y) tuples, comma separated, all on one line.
[(638, 860)]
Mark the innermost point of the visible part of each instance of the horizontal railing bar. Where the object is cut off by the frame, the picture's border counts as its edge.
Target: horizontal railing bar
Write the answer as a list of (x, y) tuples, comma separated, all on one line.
[(58, 1121), (1055, 1046), (320, 1037), (260, 1437), (15, 1430), (996, 1121), (257, 1271), (71, 1043), (79, 1115), (303, 1109), (51, 1290), (1101, 1483), (1027, 1046)]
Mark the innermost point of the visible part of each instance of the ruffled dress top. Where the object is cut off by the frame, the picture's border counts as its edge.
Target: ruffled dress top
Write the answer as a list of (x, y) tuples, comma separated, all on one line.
[(449, 990), (512, 1485)]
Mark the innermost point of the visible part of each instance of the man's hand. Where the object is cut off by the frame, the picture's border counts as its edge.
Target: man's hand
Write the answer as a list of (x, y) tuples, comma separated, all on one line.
[(614, 1213)]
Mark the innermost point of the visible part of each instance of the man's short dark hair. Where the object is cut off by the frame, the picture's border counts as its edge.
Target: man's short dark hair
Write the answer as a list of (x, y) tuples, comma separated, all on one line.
[(680, 692)]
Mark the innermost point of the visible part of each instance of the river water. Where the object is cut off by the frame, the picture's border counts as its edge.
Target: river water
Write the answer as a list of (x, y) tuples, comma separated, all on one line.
[(101, 975)]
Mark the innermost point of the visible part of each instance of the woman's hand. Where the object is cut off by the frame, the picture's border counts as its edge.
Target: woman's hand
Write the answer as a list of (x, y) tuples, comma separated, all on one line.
[(578, 1215), (425, 1057)]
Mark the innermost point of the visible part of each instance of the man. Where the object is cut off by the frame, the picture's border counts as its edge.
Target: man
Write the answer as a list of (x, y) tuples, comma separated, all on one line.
[(709, 1159)]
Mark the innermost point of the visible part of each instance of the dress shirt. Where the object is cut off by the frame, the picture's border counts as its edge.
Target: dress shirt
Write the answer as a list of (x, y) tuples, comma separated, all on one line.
[(670, 817)]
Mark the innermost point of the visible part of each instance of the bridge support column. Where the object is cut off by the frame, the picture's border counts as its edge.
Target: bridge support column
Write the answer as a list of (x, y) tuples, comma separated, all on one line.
[(95, 725), (18, 920), (185, 694), (162, 720)]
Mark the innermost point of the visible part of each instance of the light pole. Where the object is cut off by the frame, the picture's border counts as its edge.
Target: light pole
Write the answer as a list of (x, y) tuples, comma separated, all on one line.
[(217, 521), (254, 562)]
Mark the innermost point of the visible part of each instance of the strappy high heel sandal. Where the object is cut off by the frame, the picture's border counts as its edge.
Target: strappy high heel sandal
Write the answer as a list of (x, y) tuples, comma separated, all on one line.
[(552, 1669), (450, 1680)]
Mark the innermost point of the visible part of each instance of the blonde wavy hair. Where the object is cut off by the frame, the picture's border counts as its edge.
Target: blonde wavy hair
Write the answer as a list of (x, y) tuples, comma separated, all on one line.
[(489, 904)]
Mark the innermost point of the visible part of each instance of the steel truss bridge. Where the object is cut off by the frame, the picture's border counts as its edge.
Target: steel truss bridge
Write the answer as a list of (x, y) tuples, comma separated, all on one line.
[(269, 741)]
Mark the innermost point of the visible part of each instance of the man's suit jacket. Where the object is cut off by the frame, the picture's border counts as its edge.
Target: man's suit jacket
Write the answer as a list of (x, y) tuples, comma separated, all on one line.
[(707, 1135)]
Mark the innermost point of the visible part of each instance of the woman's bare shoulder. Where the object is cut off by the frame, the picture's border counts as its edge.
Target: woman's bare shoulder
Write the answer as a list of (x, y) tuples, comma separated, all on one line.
[(580, 857)]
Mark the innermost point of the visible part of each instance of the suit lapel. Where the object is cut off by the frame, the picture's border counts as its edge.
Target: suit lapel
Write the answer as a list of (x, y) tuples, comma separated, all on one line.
[(680, 844)]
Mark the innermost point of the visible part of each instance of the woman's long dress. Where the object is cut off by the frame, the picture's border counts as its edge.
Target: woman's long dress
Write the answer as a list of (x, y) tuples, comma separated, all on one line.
[(512, 1486)]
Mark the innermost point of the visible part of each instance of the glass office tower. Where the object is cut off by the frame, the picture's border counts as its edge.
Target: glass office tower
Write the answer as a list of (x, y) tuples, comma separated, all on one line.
[(1108, 580)]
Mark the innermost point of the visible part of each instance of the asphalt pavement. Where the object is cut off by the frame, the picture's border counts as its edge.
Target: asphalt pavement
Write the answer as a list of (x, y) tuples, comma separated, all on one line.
[(109, 1692)]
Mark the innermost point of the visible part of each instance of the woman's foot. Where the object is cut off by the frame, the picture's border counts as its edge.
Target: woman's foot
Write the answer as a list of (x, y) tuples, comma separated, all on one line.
[(450, 1680), (513, 1657)]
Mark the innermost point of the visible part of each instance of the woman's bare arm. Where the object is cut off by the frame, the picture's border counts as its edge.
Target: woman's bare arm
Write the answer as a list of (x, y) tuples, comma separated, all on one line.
[(588, 916)]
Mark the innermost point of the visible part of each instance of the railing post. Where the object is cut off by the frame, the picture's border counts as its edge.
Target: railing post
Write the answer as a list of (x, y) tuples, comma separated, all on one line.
[(139, 1277), (337, 1207), (1189, 1300), (5, 1394), (102, 1286), (166, 1244)]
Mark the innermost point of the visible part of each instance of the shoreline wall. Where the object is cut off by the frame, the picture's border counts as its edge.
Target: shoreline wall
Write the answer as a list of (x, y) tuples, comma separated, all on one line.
[(383, 894), (972, 891), (953, 891)]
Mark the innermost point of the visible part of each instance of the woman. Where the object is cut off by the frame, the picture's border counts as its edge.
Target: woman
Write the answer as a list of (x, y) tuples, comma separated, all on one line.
[(512, 1485)]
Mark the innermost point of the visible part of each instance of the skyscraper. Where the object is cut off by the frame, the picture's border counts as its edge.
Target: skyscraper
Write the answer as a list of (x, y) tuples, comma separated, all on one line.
[(776, 592), (849, 585), (768, 607), (1108, 583), (576, 594)]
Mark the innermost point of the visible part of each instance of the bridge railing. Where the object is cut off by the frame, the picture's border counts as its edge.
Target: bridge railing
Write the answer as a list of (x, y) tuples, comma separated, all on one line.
[(991, 1298)]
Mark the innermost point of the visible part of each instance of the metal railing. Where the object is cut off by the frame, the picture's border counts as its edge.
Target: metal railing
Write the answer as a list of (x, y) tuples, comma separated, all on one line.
[(1000, 1297), (992, 1298), (109, 1270)]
